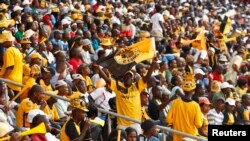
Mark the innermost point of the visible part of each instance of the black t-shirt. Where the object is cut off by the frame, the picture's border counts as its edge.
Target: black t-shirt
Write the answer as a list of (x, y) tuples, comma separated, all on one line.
[(153, 111), (72, 132)]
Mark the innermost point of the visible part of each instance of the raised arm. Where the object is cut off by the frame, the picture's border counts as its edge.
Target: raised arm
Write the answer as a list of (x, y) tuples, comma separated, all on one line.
[(102, 74), (150, 71)]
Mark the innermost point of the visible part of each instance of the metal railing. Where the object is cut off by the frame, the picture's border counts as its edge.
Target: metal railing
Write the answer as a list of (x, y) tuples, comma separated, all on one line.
[(162, 128)]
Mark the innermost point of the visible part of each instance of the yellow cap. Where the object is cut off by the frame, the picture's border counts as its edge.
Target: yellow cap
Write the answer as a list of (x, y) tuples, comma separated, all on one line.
[(35, 56), (79, 104), (3, 6), (7, 23), (144, 34)]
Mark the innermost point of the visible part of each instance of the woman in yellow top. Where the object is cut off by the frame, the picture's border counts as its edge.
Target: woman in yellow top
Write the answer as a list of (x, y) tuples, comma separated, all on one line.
[(47, 74), (185, 114), (12, 67)]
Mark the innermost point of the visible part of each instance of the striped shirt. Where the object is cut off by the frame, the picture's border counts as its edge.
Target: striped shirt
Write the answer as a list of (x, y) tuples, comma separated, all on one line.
[(215, 118)]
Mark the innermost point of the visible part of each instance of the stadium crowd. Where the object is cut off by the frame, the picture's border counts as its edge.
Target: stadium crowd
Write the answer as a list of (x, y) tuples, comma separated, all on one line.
[(198, 76)]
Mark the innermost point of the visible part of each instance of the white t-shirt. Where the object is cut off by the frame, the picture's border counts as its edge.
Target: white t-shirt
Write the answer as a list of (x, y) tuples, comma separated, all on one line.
[(155, 20), (101, 97)]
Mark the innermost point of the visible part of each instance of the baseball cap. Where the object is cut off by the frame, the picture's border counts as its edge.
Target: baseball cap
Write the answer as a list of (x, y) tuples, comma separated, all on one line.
[(199, 71), (220, 98), (226, 85), (86, 42), (78, 104), (129, 72), (16, 8), (60, 83), (230, 101), (204, 100), (77, 76)]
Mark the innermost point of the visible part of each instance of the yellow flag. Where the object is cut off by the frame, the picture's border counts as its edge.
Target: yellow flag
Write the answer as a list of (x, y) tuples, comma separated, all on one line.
[(137, 52), (200, 41)]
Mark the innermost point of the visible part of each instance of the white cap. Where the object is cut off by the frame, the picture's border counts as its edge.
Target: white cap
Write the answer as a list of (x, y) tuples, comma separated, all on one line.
[(230, 101), (4, 129), (248, 46), (77, 76), (186, 4), (65, 21), (86, 42), (28, 33), (225, 85), (223, 58), (211, 49), (25, 2), (60, 83), (34, 113), (17, 7), (199, 71)]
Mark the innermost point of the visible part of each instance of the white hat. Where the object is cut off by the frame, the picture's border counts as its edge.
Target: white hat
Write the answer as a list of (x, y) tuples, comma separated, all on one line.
[(60, 83), (226, 85), (248, 46), (199, 71), (211, 49), (77, 76), (223, 58), (26, 2), (65, 21), (86, 42), (4, 129), (186, 4), (16, 8), (34, 113), (230, 101), (28, 33)]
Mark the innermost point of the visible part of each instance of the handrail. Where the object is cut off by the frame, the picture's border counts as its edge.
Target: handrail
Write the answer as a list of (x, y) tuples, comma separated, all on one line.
[(113, 114)]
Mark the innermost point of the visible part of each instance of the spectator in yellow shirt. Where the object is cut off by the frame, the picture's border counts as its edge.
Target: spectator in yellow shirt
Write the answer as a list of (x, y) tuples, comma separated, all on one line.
[(128, 96), (35, 98), (185, 114), (12, 68)]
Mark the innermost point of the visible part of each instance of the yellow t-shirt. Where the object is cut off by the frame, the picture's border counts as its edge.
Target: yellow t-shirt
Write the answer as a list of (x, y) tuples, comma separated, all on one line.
[(145, 115), (28, 84), (13, 57), (45, 87), (205, 124), (241, 91), (230, 119), (23, 109), (88, 80), (246, 115), (64, 136), (129, 103), (184, 117), (51, 112)]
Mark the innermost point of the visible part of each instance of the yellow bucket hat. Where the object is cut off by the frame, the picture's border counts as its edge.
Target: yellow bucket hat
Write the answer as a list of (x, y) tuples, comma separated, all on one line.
[(215, 86), (144, 34), (106, 42), (7, 23), (25, 41), (6, 36), (188, 86), (35, 56), (79, 104)]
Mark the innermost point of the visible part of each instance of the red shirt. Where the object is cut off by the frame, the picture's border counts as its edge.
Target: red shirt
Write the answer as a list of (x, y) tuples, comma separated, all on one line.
[(38, 137), (75, 63), (215, 76)]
